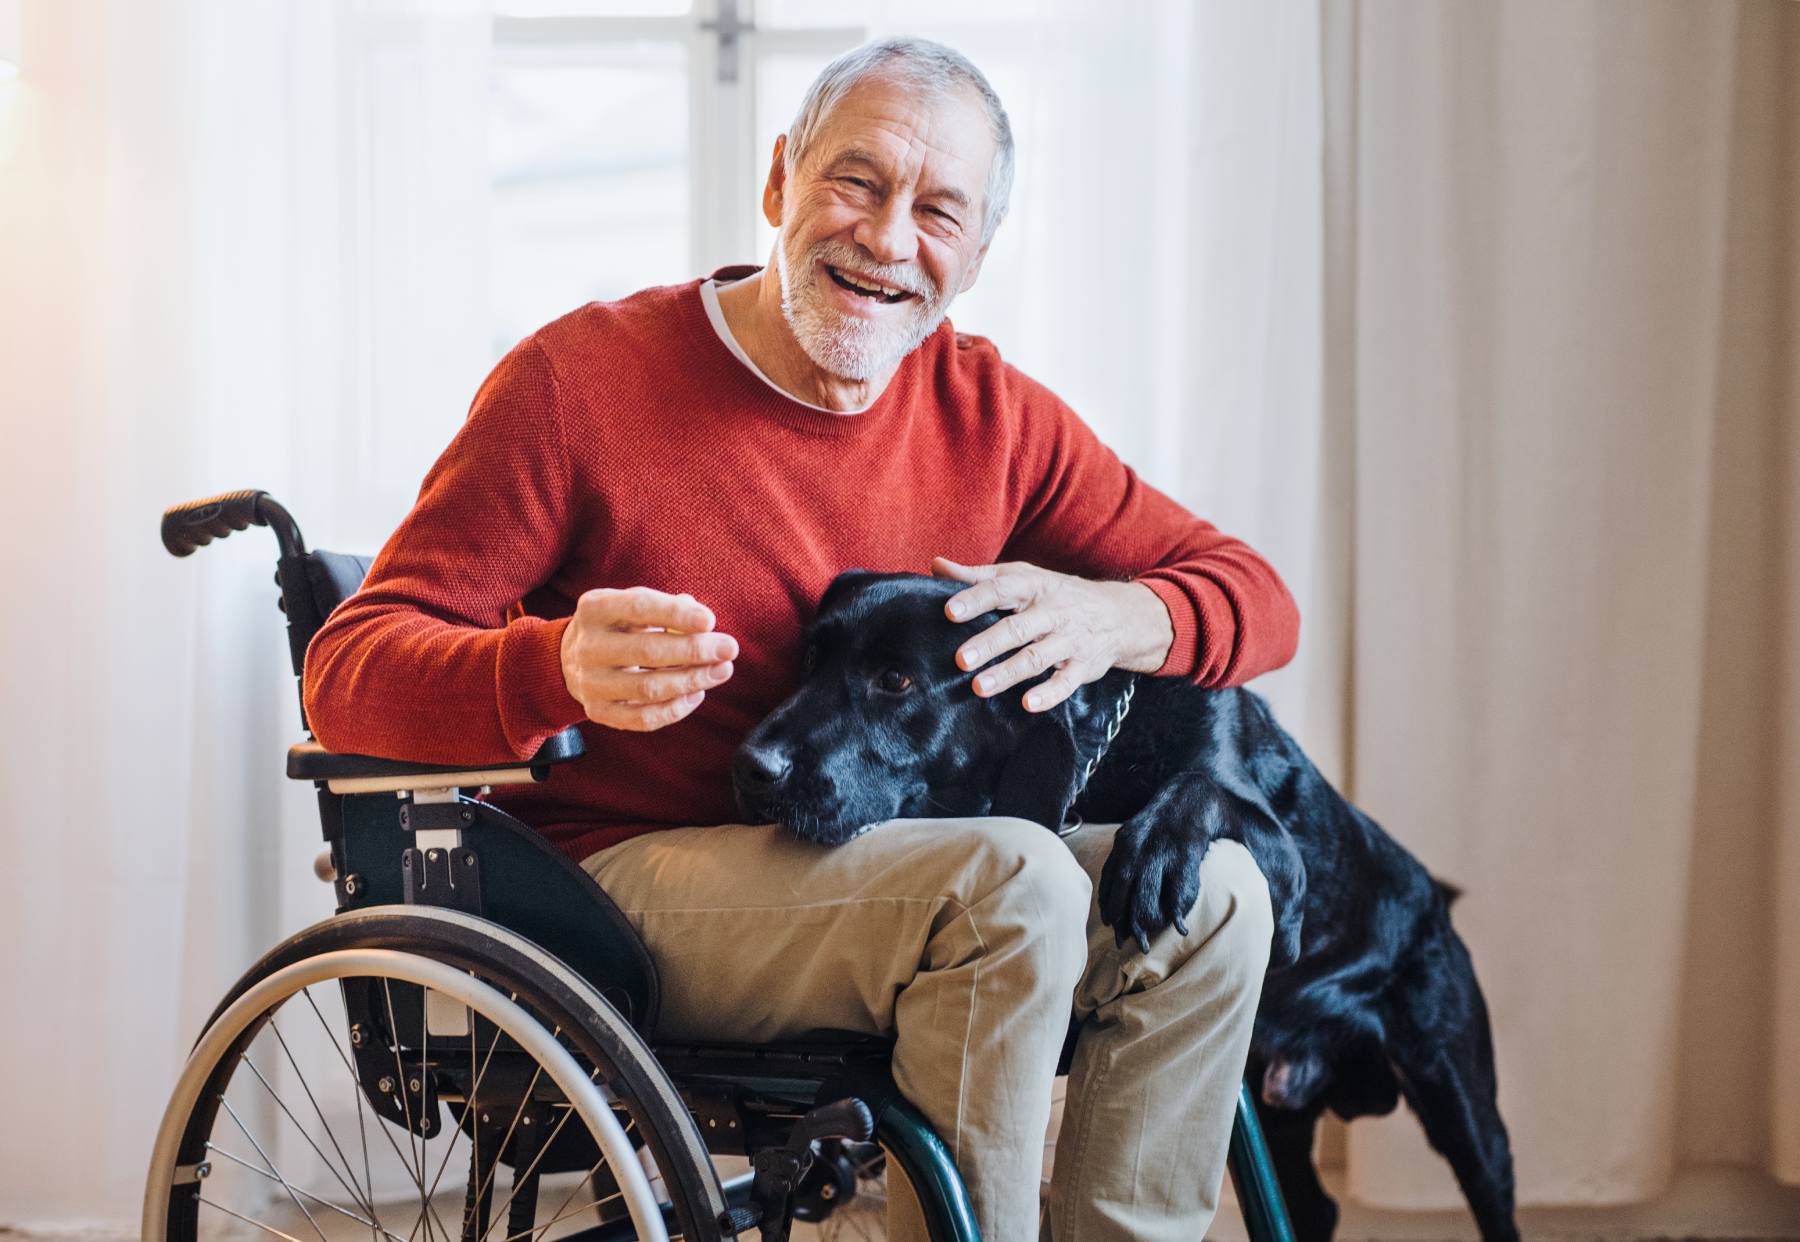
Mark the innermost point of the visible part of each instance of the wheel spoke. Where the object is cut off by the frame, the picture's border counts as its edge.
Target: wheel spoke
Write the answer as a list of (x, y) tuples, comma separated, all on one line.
[(356, 1092), (426, 1212), (629, 1123), (357, 1089), (537, 1231), (558, 1212), (513, 1125), (285, 1184), (323, 1158), (468, 1104), (265, 1228), (341, 1211), (366, 1195), (519, 1176)]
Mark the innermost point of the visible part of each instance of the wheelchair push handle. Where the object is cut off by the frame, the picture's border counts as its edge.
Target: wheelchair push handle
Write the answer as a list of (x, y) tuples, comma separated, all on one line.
[(186, 527)]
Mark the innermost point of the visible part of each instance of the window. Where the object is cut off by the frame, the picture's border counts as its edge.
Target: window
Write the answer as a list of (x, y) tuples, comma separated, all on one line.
[(630, 140)]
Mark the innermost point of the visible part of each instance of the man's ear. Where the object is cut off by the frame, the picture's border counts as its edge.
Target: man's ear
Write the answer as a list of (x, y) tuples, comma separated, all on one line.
[(776, 184), (1038, 779)]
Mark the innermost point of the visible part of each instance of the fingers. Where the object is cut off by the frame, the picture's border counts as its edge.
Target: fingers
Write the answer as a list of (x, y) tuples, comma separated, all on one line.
[(944, 567), (1010, 586), (651, 686), (602, 689), (641, 659), (1013, 630), (634, 607), (660, 649), (1032, 661), (1061, 684)]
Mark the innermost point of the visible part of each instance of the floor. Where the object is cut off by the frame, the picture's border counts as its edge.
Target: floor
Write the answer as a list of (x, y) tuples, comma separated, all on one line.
[(1710, 1204)]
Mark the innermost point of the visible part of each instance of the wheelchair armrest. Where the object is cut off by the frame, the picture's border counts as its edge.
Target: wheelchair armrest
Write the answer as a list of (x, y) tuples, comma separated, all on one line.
[(309, 761)]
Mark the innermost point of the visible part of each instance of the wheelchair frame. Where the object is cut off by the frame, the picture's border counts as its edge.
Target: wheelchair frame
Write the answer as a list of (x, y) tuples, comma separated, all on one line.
[(404, 837)]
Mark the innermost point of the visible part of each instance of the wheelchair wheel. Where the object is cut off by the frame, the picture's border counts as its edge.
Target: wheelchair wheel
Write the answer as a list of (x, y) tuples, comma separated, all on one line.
[(413, 1072)]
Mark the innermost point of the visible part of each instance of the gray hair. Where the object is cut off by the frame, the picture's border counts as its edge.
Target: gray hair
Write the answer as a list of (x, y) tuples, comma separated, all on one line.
[(932, 69)]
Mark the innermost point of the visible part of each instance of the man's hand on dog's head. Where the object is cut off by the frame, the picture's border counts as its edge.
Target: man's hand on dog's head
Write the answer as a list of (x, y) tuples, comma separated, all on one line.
[(640, 659), (1079, 627)]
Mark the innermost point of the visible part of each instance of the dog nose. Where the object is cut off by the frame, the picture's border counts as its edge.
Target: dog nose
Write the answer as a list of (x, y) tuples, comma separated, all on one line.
[(758, 765)]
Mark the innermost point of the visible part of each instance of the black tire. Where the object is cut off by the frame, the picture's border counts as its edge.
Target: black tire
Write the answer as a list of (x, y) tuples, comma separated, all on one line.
[(554, 996)]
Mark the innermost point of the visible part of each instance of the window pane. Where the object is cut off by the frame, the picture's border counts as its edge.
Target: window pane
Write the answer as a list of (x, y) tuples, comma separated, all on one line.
[(815, 12), (592, 8), (591, 185), (905, 15)]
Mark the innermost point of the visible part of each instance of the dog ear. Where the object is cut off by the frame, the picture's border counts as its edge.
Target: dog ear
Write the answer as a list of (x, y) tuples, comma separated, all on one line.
[(1038, 779), (845, 585)]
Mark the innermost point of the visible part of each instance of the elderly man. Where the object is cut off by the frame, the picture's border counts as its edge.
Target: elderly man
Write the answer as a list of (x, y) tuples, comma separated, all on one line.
[(631, 530)]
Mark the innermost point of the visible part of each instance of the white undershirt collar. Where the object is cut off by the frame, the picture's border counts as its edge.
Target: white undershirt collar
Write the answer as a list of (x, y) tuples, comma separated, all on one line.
[(709, 297)]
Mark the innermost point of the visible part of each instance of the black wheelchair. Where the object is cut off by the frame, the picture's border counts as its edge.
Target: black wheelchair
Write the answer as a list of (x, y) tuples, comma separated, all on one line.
[(476, 999)]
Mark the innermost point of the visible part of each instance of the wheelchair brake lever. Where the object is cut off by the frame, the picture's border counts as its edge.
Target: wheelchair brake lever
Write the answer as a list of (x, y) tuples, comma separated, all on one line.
[(779, 1169)]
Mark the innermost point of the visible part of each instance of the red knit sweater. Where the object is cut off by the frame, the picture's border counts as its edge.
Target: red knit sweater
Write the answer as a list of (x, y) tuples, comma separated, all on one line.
[(625, 445)]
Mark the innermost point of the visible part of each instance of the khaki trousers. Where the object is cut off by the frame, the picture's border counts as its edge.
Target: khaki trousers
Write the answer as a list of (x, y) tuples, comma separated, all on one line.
[(971, 940)]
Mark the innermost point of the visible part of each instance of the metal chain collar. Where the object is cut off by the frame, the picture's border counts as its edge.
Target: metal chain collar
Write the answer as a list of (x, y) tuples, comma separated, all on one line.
[(1072, 821)]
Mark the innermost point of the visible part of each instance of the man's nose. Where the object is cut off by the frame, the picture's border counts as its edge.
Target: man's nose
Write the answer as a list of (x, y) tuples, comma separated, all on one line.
[(761, 766), (888, 235)]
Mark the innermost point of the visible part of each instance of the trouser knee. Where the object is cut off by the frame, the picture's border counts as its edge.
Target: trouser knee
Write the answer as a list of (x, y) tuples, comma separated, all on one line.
[(1029, 890)]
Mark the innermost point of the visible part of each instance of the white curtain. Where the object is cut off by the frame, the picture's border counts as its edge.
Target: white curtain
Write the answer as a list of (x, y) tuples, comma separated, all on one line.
[(1572, 244), (240, 246), (1480, 320)]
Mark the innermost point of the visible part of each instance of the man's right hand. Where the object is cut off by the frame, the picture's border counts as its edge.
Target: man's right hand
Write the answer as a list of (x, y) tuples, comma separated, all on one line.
[(640, 659)]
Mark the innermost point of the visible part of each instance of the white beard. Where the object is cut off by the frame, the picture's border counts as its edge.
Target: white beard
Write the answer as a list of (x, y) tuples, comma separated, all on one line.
[(845, 345)]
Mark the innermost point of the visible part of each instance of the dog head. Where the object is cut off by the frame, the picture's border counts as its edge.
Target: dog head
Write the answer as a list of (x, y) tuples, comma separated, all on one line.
[(885, 724)]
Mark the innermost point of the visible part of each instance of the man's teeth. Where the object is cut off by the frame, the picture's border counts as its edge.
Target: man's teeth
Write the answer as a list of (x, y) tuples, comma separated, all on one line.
[(883, 291)]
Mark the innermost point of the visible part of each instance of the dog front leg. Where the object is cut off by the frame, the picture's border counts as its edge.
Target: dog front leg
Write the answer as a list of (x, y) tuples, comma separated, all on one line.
[(1152, 877)]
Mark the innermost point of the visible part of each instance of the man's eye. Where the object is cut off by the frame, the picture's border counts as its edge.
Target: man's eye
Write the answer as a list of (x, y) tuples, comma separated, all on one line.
[(895, 682)]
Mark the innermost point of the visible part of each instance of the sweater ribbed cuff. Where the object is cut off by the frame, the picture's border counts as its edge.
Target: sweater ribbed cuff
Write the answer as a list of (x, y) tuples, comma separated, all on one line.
[(1205, 625), (534, 700)]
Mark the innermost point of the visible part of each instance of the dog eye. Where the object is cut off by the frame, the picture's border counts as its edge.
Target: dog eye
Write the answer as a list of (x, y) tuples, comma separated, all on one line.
[(894, 681), (809, 660)]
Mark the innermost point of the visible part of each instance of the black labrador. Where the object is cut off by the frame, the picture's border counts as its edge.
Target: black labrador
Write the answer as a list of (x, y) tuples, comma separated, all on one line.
[(1370, 995)]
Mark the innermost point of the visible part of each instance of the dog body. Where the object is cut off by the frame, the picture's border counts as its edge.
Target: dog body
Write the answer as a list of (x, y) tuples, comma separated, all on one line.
[(1370, 994)]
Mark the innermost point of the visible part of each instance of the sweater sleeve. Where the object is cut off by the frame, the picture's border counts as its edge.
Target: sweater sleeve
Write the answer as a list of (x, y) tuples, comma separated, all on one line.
[(422, 662), (1086, 512)]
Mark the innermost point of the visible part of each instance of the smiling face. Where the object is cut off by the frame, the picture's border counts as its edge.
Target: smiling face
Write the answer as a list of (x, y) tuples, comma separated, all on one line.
[(881, 223), (881, 724)]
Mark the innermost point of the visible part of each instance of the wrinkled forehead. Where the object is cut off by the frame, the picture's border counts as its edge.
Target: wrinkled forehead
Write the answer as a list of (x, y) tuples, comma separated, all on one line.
[(940, 140)]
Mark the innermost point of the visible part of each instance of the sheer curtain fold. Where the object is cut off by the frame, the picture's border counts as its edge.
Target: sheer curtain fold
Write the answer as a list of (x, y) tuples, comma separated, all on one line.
[(1572, 254), (239, 246)]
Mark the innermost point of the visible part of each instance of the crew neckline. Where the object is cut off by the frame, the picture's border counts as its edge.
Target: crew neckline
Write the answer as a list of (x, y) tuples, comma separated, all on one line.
[(775, 401)]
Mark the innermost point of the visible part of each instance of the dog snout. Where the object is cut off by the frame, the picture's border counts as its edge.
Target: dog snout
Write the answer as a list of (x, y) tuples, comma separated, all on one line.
[(761, 767)]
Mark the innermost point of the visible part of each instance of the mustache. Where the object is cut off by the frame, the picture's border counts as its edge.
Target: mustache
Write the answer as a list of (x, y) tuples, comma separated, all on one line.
[(899, 275)]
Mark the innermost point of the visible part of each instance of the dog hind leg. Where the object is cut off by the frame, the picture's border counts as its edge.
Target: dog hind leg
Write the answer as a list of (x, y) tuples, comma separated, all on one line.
[(1289, 1133), (1442, 1053)]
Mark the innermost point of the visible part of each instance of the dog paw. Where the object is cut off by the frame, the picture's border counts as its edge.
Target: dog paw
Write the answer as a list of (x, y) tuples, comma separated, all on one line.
[(1150, 881)]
